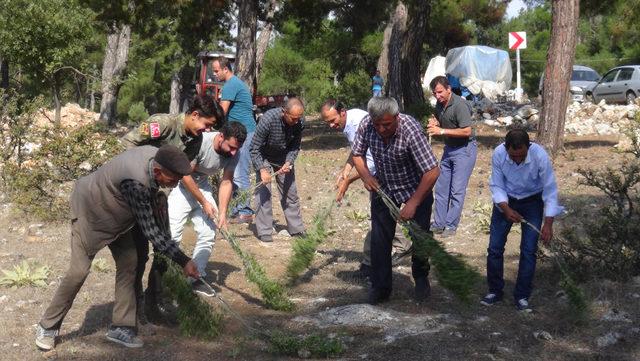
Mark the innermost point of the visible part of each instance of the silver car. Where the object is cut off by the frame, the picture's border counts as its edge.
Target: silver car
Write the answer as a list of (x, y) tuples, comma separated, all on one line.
[(583, 79), (618, 85)]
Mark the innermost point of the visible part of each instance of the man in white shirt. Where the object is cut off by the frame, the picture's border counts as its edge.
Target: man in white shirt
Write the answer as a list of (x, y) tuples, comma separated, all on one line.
[(337, 117), (523, 188), (193, 197)]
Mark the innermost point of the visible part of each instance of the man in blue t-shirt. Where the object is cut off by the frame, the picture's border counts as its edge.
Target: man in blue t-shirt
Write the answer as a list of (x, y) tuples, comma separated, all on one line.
[(238, 106), (376, 84)]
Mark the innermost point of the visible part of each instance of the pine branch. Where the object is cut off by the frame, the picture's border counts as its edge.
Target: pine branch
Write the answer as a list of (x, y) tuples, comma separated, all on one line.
[(273, 293), (451, 270), (195, 317), (304, 248)]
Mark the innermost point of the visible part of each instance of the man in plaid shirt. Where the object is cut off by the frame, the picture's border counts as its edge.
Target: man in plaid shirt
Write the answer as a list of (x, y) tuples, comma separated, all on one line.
[(407, 169)]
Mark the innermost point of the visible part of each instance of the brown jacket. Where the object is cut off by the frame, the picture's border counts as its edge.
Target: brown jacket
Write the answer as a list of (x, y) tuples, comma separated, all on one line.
[(98, 206)]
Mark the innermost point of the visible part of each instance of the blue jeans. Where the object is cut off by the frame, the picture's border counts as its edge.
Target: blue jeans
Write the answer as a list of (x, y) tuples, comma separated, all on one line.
[(531, 209), (383, 227), (456, 167), (377, 92), (241, 178)]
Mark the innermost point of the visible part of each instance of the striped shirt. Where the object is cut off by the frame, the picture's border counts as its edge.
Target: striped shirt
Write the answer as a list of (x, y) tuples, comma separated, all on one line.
[(275, 142), (402, 162)]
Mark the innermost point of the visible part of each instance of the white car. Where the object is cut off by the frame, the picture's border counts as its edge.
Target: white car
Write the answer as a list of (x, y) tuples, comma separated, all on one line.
[(618, 85), (583, 79)]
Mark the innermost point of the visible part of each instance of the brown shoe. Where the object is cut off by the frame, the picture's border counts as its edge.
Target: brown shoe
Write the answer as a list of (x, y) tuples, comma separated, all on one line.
[(241, 218)]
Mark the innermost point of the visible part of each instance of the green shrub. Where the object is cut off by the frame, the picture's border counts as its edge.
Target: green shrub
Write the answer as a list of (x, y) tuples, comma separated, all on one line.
[(39, 182), (137, 113)]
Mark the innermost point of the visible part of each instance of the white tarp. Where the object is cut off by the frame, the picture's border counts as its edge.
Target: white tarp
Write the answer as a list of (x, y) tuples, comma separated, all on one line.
[(481, 69), (436, 67)]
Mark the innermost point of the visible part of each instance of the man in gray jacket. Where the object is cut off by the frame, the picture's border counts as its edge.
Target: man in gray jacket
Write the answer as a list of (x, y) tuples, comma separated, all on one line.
[(105, 205)]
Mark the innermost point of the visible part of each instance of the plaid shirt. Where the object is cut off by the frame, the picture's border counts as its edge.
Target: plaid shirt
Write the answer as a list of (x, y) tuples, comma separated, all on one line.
[(402, 162), (274, 141), (150, 211)]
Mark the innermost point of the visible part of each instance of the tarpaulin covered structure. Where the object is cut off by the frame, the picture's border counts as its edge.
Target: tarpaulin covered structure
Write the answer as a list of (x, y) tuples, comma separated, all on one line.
[(481, 69)]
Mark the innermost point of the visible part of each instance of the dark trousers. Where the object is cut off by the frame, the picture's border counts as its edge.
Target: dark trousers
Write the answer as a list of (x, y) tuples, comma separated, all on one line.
[(531, 209), (383, 227)]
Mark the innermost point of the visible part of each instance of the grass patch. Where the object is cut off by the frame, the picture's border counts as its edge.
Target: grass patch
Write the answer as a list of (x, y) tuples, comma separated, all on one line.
[(315, 345), (357, 216), (195, 317), (24, 275), (100, 265), (304, 248), (273, 293), (451, 270)]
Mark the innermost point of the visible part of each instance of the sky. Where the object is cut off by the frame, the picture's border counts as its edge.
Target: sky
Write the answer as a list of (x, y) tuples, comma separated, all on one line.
[(514, 7)]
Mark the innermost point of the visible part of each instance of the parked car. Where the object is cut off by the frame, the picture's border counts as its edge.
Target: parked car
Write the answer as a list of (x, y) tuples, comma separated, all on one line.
[(618, 85), (583, 79)]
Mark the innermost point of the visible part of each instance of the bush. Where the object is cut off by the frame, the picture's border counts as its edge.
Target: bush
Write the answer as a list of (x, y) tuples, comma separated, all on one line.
[(39, 181), (608, 245), (137, 113)]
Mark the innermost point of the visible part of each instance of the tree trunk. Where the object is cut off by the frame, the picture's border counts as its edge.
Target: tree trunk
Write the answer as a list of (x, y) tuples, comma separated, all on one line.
[(4, 74), (246, 41), (398, 31), (412, 91), (383, 60), (555, 94), (113, 67), (265, 36), (176, 90), (55, 88)]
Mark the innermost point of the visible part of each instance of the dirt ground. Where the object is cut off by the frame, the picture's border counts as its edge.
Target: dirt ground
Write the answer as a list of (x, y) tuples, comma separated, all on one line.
[(479, 333)]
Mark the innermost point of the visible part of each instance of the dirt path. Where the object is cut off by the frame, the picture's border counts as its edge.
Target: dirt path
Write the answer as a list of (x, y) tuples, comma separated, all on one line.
[(440, 329)]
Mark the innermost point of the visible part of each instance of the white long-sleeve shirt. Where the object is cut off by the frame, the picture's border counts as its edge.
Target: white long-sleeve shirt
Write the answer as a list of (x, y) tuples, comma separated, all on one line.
[(532, 176)]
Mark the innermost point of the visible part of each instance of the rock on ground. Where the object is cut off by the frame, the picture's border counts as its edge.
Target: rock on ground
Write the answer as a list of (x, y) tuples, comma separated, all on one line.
[(394, 324)]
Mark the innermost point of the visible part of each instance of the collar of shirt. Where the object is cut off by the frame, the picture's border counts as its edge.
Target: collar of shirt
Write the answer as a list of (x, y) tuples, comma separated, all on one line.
[(508, 159)]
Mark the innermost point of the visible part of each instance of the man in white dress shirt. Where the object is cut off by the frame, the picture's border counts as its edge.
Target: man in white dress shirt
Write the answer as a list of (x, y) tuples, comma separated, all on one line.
[(523, 187)]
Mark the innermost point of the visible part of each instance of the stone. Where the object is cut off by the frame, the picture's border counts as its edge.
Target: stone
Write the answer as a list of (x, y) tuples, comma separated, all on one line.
[(304, 353), (486, 115), (3, 298), (542, 335), (284, 233), (35, 229), (394, 324), (615, 315), (609, 339), (85, 166)]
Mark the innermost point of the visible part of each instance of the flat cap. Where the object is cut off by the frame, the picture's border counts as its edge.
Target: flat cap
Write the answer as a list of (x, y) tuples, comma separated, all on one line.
[(173, 159)]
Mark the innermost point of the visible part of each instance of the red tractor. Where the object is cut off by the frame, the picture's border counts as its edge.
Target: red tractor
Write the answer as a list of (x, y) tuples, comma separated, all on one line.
[(207, 83)]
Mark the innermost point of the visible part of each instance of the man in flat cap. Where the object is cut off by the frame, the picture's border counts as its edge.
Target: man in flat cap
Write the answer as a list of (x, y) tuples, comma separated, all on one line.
[(105, 205)]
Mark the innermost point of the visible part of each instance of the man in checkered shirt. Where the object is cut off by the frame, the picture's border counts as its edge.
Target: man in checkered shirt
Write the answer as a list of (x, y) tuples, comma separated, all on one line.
[(407, 169)]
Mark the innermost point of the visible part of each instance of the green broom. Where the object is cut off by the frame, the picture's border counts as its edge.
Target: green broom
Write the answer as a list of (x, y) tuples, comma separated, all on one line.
[(451, 270), (304, 248)]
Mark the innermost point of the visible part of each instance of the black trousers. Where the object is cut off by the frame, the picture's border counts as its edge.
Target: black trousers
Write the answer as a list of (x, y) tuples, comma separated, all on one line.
[(383, 228)]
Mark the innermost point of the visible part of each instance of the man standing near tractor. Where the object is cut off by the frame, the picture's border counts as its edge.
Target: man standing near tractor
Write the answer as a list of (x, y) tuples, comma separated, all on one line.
[(238, 106)]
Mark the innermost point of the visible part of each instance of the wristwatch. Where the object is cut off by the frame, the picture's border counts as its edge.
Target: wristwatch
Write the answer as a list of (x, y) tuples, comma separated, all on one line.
[(441, 131)]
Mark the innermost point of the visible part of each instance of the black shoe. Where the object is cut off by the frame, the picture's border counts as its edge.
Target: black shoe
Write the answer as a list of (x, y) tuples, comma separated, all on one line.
[(266, 238), (422, 290), (300, 234), (377, 295)]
